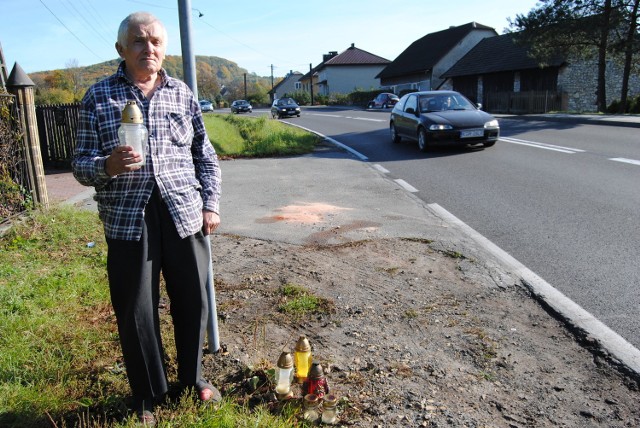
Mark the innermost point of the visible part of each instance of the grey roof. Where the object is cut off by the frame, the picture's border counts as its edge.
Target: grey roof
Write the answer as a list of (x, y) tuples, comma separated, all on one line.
[(423, 54), (296, 75), (496, 54)]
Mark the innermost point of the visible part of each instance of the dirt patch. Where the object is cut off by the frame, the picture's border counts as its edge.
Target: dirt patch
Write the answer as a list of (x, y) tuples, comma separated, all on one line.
[(415, 335)]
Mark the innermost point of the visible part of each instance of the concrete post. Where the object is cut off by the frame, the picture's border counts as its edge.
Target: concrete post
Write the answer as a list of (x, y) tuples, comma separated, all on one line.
[(20, 85)]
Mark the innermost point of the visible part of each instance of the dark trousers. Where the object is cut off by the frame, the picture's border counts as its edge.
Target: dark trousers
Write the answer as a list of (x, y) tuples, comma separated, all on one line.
[(134, 270)]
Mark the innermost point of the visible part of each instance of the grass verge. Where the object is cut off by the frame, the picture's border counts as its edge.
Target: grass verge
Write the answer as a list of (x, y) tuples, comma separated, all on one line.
[(237, 136), (60, 359)]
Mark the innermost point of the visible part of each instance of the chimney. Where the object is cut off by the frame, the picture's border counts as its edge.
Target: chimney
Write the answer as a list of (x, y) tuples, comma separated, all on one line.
[(353, 45), (327, 57)]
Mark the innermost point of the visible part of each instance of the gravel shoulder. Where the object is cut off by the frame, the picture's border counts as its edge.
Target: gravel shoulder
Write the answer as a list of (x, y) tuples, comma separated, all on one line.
[(412, 333)]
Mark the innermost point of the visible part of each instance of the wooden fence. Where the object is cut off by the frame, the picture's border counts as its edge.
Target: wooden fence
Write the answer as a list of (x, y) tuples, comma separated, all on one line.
[(57, 132), (530, 102)]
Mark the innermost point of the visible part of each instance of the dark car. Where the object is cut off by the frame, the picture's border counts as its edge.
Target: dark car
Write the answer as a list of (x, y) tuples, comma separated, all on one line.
[(241, 106), (433, 117), (206, 105), (285, 107), (384, 100)]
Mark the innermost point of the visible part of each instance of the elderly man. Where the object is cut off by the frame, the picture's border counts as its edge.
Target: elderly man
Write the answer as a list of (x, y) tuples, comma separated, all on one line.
[(155, 215)]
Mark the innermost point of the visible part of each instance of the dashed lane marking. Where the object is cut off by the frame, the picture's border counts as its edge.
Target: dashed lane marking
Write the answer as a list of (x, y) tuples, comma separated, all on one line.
[(625, 160), (545, 146)]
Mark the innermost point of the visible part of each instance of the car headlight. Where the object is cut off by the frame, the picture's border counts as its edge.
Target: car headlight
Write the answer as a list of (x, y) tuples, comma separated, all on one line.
[(492, 124), (297, 108), (439, 127)]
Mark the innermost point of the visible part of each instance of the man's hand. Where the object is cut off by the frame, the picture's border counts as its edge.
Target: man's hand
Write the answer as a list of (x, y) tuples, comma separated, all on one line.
[(210, 223), (120, 161)]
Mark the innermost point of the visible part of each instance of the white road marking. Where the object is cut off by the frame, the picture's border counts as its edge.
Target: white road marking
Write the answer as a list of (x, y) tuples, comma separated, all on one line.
[(365, 118), (349, 117), (381, 168), (406, 186), (326, 115), (628, 354), (625, 160), (331, 140), (545, 146)]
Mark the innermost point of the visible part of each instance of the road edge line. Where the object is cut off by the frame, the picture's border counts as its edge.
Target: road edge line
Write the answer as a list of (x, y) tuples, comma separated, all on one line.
[(624, 352), (332, 141)]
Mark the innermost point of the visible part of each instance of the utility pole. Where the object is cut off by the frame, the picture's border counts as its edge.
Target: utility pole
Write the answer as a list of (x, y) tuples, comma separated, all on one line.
[(311, 81), (273, 96), (245, 86), (189, 70), (188, 58)]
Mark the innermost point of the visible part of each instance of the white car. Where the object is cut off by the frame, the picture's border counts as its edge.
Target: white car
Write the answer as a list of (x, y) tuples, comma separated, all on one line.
[(206, 106)]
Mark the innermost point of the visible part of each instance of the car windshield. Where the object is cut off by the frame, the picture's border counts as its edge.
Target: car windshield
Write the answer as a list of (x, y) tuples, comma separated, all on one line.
[(243, 102), (286, 102), (444, 102)]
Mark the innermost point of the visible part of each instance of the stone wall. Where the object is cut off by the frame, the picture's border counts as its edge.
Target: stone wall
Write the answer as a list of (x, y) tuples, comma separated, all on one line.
[(580, 80)]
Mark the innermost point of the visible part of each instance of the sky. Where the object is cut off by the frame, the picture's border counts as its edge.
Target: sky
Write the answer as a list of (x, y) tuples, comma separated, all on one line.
[(262, 36)]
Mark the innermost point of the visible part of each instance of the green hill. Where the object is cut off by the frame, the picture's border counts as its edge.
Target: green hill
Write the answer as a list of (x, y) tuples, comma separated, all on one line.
[(212, 72)]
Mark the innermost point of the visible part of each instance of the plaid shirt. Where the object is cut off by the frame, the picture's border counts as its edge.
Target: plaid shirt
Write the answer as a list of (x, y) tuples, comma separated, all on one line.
[(180, 159)]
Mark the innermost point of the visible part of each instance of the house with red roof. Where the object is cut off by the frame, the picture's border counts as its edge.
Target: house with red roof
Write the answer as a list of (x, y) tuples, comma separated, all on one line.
[(345, 72)]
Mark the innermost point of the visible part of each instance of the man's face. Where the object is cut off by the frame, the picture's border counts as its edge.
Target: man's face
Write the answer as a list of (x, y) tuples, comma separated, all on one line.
[(145, 49)]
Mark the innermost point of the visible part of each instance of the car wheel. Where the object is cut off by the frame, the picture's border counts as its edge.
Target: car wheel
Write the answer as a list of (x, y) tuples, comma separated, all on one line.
[(395, 138), (370, 105), (298, 115), (489, 144), (422, 140), (385, 106)]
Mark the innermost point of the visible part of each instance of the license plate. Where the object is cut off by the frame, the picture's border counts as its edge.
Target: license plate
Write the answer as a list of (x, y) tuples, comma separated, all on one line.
[(470, 133)]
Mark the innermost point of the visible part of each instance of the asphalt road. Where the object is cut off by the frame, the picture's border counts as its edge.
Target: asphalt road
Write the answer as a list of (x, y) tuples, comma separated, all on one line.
[(560, 197)]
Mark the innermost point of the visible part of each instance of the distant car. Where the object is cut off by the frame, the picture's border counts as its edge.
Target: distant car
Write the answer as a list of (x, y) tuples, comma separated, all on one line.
[(432, 117), (384, 100), (206, 106), (285, 107), (241, 106)]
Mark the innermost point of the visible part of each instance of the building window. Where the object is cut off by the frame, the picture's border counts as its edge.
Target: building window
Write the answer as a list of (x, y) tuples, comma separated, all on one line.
[(298, 85)]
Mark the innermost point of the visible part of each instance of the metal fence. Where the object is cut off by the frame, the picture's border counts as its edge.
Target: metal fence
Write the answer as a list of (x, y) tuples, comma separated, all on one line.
[(14, 177), (524, 102), (57, 133)]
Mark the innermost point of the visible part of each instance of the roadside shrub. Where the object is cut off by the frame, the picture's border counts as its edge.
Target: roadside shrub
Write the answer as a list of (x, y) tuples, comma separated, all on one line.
[(302, 98), (632, 107), (322, 99), (362, 98), (340, 99), (14, 198)]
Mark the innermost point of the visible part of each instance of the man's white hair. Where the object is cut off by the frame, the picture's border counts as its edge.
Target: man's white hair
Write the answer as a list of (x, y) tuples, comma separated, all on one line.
[(138, 18)]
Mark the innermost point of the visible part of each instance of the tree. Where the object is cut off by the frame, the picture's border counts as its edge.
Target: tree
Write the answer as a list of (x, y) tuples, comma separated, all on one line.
[(629, 44), (208, 86), (579, 28), (76, 78)]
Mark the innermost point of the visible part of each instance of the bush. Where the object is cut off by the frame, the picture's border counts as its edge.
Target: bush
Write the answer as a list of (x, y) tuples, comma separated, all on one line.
[(340, 99), (322, 99), (302, 98), (362, 98), (14, 197), (633, 106)]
